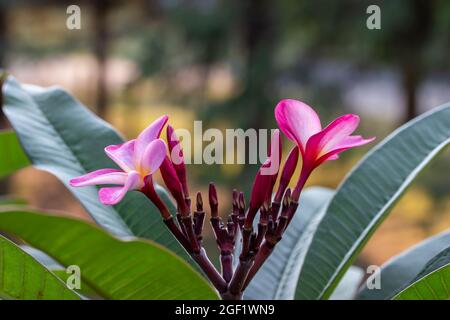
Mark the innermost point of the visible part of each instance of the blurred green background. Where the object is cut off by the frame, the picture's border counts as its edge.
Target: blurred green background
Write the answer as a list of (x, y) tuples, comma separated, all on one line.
[(227, 63)]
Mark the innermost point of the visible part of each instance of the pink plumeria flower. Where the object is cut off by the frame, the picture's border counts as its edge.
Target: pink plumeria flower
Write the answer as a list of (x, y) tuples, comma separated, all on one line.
[(301, 124), (137, 159)]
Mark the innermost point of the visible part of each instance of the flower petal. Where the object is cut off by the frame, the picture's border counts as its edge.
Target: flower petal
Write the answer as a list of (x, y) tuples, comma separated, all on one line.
[(297, 120), (149, 134), (333, 157), (347, 143), (113, 195), (153, 156), (122, 154), (353, 141), (102, 176), (336, 132)]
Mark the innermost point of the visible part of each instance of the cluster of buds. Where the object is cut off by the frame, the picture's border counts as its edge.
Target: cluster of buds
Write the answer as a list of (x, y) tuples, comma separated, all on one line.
[(257, 241), (140, 158)]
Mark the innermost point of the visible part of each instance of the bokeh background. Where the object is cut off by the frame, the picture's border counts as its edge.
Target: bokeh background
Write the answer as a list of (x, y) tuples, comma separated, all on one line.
[(227, 63)]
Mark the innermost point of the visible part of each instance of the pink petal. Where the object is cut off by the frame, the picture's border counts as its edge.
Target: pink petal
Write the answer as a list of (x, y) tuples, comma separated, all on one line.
[(353, 141), (102, 176), (122, 154), (347, 143), (333, 157), (297, 120), (153, 156), (149, 134), (333, 134), (113, 195)]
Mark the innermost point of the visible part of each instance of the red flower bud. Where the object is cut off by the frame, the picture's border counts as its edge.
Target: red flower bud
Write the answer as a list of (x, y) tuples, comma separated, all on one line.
[(288, 171), (172, 182), (213, 201), (176, 155), (265, 179)]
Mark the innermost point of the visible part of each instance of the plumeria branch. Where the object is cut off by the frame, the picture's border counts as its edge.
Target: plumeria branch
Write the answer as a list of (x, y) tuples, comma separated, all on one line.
[(140, 158)]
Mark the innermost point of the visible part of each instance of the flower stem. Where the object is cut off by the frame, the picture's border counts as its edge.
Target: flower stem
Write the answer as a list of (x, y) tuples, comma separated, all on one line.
[(264, 252), (304, 174), (239, 277), (226, 261), (216, 279), (178, 234)]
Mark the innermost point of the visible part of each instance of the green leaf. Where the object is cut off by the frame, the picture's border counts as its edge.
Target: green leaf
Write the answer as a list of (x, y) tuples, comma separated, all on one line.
[(58, 270), (365, 198), (63, 137), (276, 278), (402, 269), (433, 282), (85, 290), (22, 277), (41, 257), (13, 158), (116, 269)]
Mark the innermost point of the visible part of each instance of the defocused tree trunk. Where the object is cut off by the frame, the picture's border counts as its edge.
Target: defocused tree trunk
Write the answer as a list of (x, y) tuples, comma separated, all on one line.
[(152, 9), (259, 39), (410, 84), (101, 41), (412, 48)]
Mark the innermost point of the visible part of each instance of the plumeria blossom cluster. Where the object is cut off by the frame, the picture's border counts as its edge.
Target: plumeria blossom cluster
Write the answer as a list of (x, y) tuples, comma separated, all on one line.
[(140, 158)]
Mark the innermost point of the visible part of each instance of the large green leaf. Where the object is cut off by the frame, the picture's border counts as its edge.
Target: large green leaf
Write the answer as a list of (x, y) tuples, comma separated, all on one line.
[(22, 277), (402, 269), (58, 270), (365, 198), (85, 290), (41, 257), (433, 282), (64, 138), (116, 269), (277, 277), (12, 157)]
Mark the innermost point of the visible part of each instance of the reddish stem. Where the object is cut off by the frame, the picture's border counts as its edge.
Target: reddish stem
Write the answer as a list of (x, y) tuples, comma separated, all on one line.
[(216, 279), (304, 174), (226, 261), (239, 277), (264, 252), (178, 234)]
